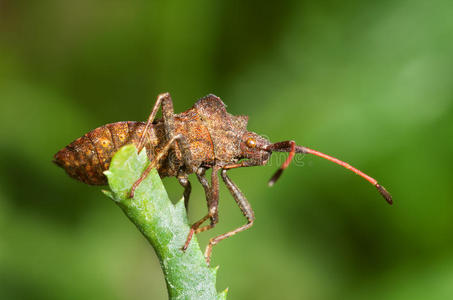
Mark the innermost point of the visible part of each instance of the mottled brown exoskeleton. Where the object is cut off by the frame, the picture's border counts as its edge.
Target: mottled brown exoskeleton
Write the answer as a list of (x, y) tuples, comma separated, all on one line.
[(205, 136)]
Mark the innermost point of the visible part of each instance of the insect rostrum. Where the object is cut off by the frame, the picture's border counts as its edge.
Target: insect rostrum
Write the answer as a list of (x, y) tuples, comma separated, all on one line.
[(205, 136)]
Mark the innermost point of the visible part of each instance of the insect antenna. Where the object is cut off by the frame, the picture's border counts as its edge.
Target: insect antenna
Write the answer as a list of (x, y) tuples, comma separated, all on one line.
[(282, 147), (292, 148)]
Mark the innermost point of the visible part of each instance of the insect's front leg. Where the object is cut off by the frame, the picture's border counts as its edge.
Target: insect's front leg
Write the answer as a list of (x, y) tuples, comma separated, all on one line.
[(246, 210), (245, 163), (212, 197)]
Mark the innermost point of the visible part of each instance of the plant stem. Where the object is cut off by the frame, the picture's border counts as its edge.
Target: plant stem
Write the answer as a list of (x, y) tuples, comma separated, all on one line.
[(163, 224)]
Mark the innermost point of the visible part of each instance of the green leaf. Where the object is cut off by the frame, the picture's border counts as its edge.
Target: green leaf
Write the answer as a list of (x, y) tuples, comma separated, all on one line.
[(163, 224)]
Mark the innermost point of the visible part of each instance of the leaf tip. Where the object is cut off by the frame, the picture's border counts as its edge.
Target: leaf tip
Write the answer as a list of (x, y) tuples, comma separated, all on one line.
[(214, 270), (111, 195)]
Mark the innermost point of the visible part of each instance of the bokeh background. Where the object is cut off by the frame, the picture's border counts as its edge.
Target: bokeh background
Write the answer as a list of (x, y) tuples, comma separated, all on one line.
[(370, 82)]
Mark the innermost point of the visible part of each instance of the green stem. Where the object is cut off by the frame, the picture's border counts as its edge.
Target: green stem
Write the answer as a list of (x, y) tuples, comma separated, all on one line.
[(163, 224)]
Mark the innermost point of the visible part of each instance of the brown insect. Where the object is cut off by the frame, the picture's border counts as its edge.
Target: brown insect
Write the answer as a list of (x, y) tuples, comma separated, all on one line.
[(205, 136)]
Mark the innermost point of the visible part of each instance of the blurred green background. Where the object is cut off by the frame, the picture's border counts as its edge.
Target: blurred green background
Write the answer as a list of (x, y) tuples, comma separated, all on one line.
[(370, 82)]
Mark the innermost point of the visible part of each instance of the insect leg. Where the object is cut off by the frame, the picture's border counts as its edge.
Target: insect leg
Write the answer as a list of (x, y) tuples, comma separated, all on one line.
[(166, 101), (212, 196), (184, 181), (169, 124), (154, 163), (168, 116), (245, 207)]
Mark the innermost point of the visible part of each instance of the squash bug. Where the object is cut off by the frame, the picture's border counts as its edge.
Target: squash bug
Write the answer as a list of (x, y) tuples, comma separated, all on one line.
[(203, 137)]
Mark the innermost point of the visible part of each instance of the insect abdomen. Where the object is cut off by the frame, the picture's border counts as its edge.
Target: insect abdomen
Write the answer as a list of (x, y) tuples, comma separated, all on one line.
[(87, 157)]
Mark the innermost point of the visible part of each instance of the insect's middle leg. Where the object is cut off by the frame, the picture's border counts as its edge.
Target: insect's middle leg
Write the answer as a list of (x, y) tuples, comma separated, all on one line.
[(245, 207), (212, 196), (184, 181)]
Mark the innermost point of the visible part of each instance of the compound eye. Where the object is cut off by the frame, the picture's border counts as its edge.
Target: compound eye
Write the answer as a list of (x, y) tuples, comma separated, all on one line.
[(251, 143)]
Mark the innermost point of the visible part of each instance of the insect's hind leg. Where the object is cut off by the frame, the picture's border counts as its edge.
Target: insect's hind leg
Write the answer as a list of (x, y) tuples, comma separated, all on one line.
[(212, 196), (168, 116), (163, 99), (245, 207), (154, 163)]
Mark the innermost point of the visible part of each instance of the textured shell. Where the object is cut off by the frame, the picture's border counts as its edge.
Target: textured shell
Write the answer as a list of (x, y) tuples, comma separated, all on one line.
[(225, 130), (87, 157), (213, 136)]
